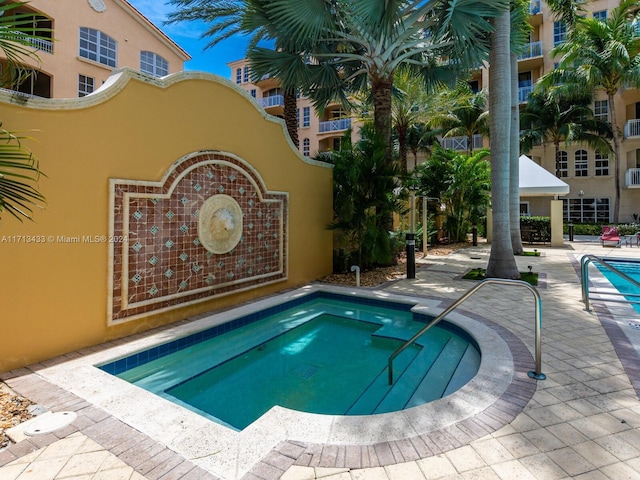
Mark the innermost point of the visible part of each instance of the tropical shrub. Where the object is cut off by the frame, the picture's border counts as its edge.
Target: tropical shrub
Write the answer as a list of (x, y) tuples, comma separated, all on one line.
[(363, 197)]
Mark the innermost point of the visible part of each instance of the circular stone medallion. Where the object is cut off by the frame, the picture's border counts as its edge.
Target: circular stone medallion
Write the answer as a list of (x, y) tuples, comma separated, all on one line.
[(98, 5), (220, 224)]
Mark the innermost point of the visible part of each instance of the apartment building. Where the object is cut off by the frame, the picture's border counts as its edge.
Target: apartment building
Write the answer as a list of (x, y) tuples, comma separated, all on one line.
[(316, 133), (85, 40), (589, 174)]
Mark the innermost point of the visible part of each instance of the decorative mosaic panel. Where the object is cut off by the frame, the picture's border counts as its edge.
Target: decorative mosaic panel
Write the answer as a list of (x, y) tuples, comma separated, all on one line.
[(162, 264)]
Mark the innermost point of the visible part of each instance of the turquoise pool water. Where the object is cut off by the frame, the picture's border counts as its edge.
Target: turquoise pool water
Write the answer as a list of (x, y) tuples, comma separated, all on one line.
[(630, 268), (324, 354)]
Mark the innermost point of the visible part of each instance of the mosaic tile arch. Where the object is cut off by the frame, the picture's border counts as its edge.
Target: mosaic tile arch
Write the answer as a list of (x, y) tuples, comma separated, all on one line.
[(162, 263)]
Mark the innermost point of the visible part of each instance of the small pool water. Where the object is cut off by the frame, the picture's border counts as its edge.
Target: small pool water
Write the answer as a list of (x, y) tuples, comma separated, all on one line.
[(630, 268), (323, 353)]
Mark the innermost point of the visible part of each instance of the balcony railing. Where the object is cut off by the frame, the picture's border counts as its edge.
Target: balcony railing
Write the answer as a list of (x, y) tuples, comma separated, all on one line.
[(461, 144), (335, 125), (632, 128), (42, 44), (535, 7), (533, 49), (632, 178), (523, 94), (272, 101)]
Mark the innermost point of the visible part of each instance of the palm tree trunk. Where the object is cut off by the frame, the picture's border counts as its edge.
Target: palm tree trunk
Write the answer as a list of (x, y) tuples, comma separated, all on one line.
[(290, 115), (616, 158), (402, 147), (502, 263), (381, 89), (514, 171)]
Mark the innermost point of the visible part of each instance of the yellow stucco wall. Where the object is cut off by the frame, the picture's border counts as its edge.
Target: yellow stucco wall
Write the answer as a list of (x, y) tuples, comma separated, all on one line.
[(54, 294)]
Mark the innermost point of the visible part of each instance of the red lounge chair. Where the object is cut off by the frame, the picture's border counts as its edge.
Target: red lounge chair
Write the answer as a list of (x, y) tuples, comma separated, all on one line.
[(610, 234)]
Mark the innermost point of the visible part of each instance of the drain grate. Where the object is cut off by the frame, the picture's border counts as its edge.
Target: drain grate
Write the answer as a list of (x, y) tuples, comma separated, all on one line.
[(634, 325), (305, 370)]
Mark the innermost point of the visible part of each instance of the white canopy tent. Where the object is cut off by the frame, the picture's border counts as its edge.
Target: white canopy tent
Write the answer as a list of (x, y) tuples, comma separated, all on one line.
[(535, 181)]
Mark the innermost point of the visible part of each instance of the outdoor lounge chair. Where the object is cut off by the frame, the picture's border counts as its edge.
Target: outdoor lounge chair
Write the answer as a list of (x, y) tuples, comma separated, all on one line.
[(610, 235)]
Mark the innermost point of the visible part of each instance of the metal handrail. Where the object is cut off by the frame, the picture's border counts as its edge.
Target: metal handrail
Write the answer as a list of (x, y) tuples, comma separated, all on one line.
[(584, 275), (537, 374)]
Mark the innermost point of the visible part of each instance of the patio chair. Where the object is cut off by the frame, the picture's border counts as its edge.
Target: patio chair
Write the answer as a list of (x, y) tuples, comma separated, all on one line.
[(610, 235)]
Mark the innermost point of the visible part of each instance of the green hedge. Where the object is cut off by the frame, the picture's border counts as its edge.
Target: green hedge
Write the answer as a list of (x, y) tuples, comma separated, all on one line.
[(540, 224), (596, 228)]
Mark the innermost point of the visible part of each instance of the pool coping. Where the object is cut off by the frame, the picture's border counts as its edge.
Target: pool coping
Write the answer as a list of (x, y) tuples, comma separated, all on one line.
[(484, 405)]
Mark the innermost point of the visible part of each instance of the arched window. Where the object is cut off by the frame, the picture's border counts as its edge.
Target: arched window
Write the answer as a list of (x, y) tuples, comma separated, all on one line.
[(153, 64), (98, 46), (581, 163)]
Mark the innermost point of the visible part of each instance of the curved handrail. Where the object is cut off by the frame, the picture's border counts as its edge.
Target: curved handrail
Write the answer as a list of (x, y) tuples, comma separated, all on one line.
[(584, 273), (537, 374)]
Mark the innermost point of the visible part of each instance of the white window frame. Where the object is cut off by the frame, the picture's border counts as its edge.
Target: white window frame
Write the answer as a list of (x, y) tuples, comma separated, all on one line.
[(600, 15), (559, 33), (563, 164), (245, 74), (86, 85), (306, 147), (581, 163), (602, 164), (153, 64), (98, 46), (601, 110), (238, 75), (306, 116)]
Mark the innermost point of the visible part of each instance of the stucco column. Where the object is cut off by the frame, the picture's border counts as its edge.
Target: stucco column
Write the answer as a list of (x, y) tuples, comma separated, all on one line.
[(557, 238)]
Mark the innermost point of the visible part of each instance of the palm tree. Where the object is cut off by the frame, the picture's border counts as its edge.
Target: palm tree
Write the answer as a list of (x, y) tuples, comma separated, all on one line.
[(467, 117), (602, 55), (18, 167), (551, 116), (467, 193), (502, 262), (373, 39), (519, 37)]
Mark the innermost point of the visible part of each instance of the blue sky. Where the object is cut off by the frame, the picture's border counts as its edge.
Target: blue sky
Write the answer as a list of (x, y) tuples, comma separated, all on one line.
[(187, 35)]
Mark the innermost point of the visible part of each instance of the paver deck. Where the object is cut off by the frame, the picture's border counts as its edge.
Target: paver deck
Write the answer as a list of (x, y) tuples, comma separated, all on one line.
[(582, 422)]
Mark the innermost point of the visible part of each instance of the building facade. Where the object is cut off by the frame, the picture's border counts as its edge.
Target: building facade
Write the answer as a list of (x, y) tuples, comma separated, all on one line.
[(85, 40), (589, 174), (316, 132)]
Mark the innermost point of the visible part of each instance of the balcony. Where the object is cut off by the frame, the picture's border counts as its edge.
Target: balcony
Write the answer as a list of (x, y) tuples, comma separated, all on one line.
[(460, 144), (533, 49), (42, 44), (632, 128), (272, 101), (535, 7), (632, 178), (335, 125), (523, 94)]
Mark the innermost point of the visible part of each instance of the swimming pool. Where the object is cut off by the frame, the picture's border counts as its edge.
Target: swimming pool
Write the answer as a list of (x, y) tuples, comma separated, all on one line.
[(322, 353), (231, 453), (630, 268)]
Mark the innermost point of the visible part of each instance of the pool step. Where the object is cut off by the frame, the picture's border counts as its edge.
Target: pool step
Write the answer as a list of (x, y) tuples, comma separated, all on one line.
[(409, 365), (436, 381), (426, 378)]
